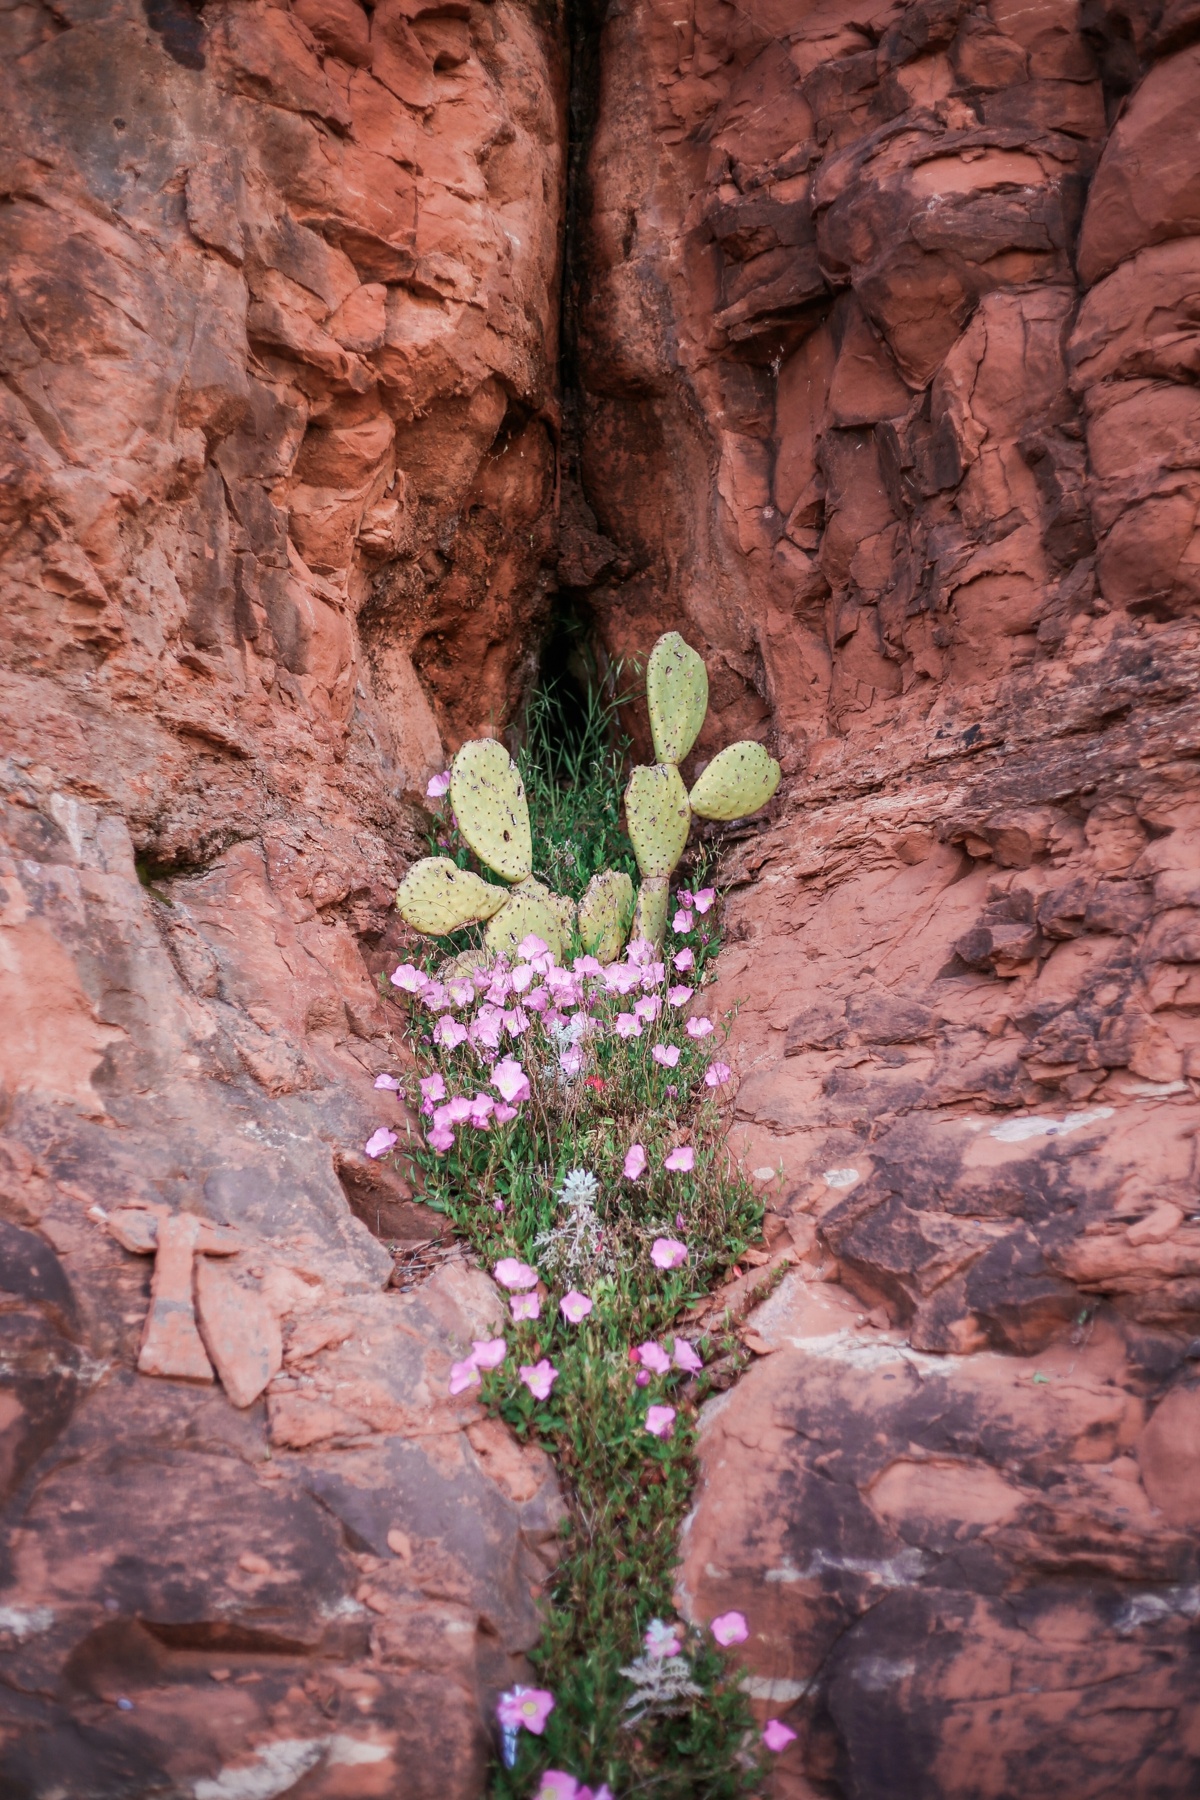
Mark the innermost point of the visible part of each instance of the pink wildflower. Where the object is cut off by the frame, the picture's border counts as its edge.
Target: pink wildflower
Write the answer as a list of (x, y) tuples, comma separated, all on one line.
[(502, 1114), (668, 1253), (482, 1108), (684, 960), (557, 1785), (486, 1027), (640, 952), (682, 922), (571, 1061), (387, 1081), (717, 1074), (777, 1735), (661, 1639), (516, 1020), (730, 1628), (648, 1008), (461, 993), (698, 1028), (531, 946), (681, 1159), (410, 979), (441, 1139), (587, 965), (679, 996), (666, 1054), (449, 1033), (574, 1306), (621, 978), (686, 1358), (525, 1306), (433, 1087), (512, 1274), (652, 1356), (379, 1142), (530, 1707), (455, 1112), (510, 1079), (703, 898), (488, 1353), (434, 997), (438, 785), (537, 1000), (463, 1375), (628, 1025), (539, 1378), (635, 1162), (642, 1378), (522, 978), (660, 1421)]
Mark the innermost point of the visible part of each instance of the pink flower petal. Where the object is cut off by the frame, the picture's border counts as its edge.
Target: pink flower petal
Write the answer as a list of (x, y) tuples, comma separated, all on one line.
[(660, 1421), (574, 1307), (652, 1356), (489, 1353), (684, 960), (433, 1087), (730, 1628), (513, 1274), (539, 1378), (666, 1054), (441, 1139), (438, 785), (408, 978), (510, 1079), (668, 1253), (703, 898), (389, 1082), (635, 1162), (777, 1735), (531, 946), (525, 1306), (698, 1028), (717, 1074), (679, 996), (682, 922), (464, 1375), (527, 1707), (682, 1159), (379, 1142)]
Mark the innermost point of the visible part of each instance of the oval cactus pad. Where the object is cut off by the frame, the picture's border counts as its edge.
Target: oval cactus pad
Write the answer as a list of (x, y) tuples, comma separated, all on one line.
[(526, 912), (677, 696), (438, 897), (488, 799), (658, 817), (736, 783), (650, 914), (604, 914)]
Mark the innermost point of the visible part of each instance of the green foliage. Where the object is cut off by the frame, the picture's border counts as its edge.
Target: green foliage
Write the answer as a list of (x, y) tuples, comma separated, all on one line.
[(627, 1491), (571, 764)]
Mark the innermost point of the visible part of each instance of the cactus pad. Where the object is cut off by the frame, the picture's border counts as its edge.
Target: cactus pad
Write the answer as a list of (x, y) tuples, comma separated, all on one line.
[(437, 897), (677, 695), (650, 914), (531, 908), (736, 783), (658, 817), (488, 800), (604, 914)]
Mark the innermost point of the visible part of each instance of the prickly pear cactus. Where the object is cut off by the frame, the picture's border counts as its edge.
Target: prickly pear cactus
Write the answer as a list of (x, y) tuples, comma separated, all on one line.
[(658, 817), (530, 909), (488, 798), (604, 914), (438, 897), (735, 783), (677, 697), (650, 914)]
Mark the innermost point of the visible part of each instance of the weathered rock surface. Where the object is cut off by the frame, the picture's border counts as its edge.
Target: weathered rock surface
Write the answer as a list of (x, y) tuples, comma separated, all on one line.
[(887, 374), (278, 311)]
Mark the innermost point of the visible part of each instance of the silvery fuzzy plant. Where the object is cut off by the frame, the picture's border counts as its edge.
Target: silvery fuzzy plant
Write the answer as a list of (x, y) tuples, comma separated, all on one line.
[(487, 797), (573, 1251)]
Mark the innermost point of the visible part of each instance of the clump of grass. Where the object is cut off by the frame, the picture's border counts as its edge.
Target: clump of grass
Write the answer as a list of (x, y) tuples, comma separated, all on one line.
[(592, 1094)]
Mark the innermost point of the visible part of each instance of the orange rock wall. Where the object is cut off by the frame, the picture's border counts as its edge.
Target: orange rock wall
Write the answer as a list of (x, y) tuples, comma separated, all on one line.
[(888, 357)]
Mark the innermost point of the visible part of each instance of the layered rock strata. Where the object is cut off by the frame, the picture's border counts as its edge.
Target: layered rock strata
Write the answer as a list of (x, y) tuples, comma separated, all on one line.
[(888, 356), (278, 344)]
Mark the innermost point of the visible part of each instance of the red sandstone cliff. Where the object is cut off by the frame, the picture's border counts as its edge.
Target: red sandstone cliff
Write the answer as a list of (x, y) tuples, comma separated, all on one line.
[(889, 349), (881, 387)]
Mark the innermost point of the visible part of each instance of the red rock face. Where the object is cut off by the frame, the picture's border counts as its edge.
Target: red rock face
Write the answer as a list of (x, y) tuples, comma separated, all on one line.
[(278, 339), (888, 372)]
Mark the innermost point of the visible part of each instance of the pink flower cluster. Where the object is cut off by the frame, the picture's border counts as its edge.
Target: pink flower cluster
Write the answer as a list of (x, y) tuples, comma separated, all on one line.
[(483, 1013), (486, 1353)]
